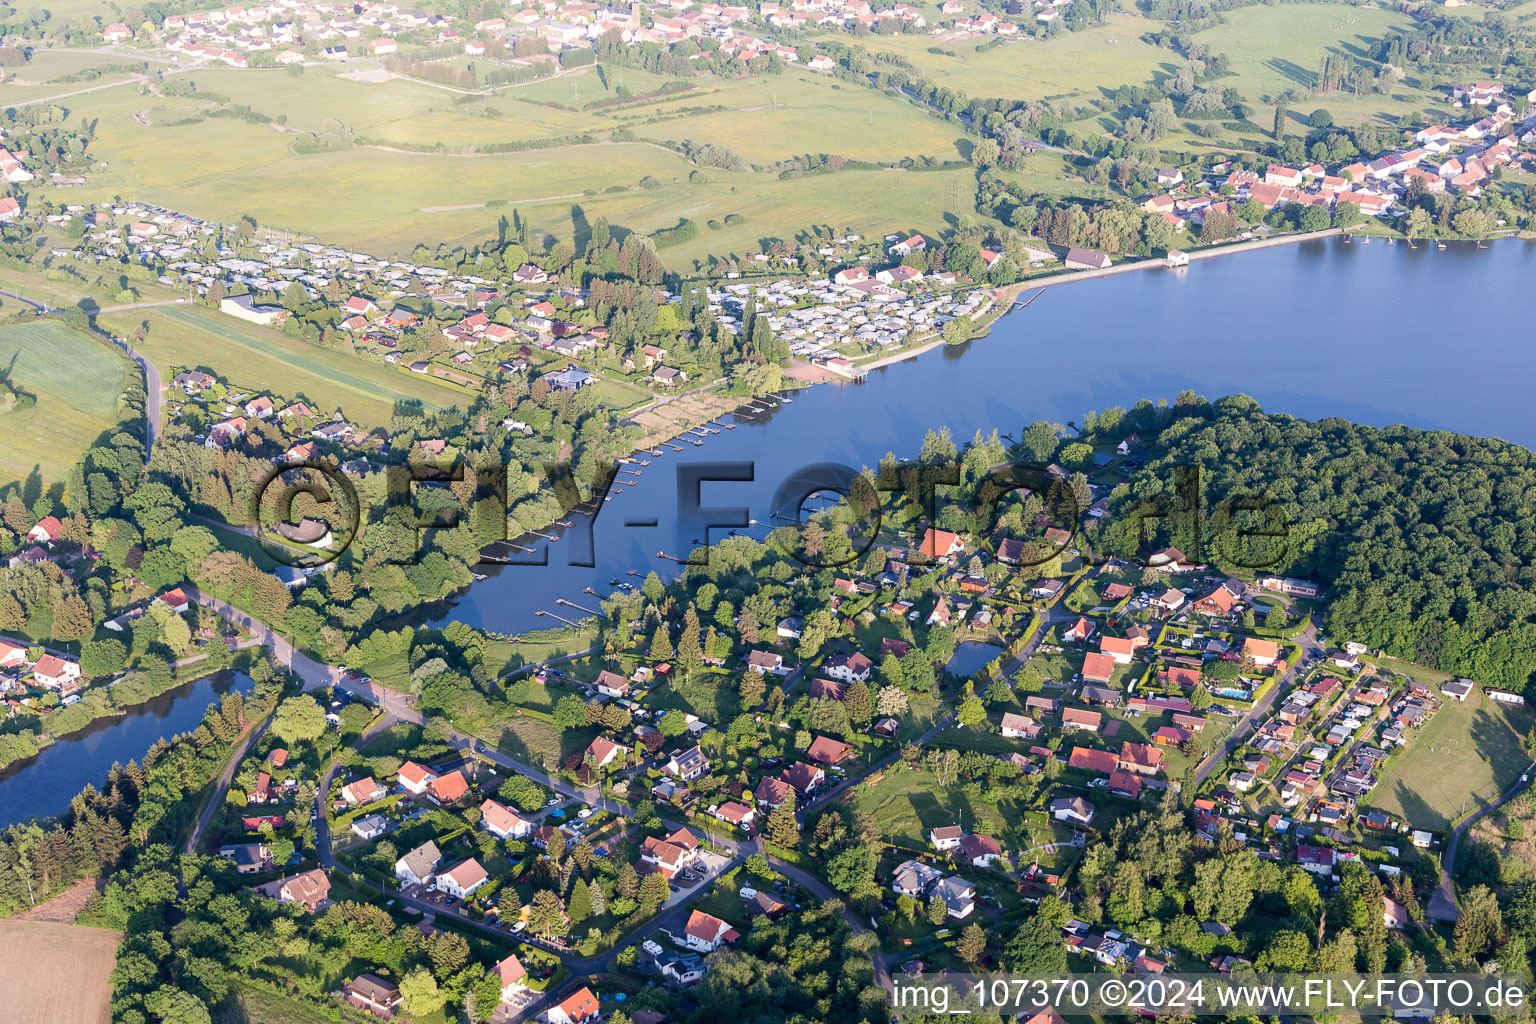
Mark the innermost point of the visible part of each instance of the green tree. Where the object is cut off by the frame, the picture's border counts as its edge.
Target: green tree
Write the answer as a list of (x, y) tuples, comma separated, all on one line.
[(299, 719), (419, 994), (938, 910), (972, 945), (782, 829), (72, 619)]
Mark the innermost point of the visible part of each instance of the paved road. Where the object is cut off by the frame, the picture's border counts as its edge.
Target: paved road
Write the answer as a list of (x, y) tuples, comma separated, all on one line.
[(1260, 711), (1442, 905), (217, 799)]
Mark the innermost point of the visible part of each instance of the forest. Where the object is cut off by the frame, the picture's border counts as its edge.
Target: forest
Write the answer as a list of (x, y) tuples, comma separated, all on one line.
[(1423, 538)]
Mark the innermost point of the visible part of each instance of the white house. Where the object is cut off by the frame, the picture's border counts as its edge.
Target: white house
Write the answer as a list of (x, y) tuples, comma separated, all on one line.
[(462, 880), (503, 822), (418, 866), (704, 933)]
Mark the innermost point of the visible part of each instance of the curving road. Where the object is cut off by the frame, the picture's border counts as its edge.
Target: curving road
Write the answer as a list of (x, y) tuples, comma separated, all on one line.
[(1442, 905)]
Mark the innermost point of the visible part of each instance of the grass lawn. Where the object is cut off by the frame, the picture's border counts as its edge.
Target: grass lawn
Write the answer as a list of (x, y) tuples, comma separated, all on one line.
[(1466, 755), (394, 200), (366, 390), (803, 112), (1080, 64), (1272, 49), (77, 380), (257, 1003), (909, 803)]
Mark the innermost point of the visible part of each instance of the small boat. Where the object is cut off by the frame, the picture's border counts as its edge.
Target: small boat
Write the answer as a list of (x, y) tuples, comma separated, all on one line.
[(1440, 245), (1365, 241), (613, 582), (1391, 241), (479, 576)]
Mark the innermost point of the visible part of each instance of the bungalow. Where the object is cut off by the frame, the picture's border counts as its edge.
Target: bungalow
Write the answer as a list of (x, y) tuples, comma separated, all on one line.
[(448, 789), (1085, 259), (1045, 589), (371, 993), (363, 791), (946, 837), (418, 866), (1074, 809), (980, 851), (462, 880), (1018, 727), (736, 814), (1079, 718), (828, 751), (602, 751), (1098, 668), (909, 245)]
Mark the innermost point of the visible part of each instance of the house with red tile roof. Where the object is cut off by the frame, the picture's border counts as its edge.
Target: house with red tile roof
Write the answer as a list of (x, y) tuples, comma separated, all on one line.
[(603, 751), (828, 751), (704, 933), (1092, 759), (503, 822), (1120, 649), (1080, 718), (512, 976), (462, 880), (1140, 758), (413, 777), (1123, 783), (939, 544), (576, 1009), (1098, 668), (448, 789), (363, 791)]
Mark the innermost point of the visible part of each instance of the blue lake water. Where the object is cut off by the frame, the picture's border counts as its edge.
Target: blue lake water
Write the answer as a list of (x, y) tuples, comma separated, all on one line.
[(1374, 333), (45, 784)]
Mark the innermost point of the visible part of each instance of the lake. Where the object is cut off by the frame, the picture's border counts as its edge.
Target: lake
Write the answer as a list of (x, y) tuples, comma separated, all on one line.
[(1373, 333), (47, 783), (971, 657)]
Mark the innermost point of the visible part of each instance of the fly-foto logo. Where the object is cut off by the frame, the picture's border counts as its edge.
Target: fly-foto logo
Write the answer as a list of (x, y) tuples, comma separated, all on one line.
[(1177, 524)]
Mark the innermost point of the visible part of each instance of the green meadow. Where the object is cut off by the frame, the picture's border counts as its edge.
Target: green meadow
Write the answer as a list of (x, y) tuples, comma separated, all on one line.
[(77, 381)]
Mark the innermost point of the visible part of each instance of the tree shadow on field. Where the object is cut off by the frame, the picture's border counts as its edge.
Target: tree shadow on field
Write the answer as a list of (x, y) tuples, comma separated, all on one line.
[(1293, 72)]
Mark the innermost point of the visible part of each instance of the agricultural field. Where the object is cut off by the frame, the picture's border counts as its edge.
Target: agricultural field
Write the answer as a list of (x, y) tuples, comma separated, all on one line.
[(56, 973), (1078, 65), (385, 202), (193, 336), (1273, 49), (1468, 754), (77, 382), (801, 112)]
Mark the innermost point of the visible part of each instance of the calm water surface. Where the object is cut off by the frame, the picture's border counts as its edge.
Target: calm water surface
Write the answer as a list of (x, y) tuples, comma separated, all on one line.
[(1373, 333), (48, 782)]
